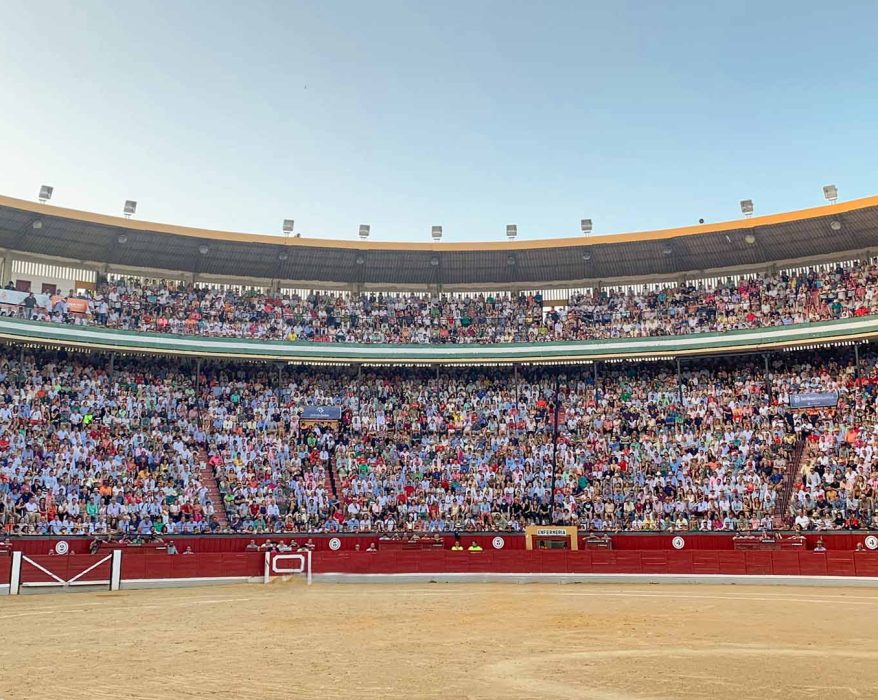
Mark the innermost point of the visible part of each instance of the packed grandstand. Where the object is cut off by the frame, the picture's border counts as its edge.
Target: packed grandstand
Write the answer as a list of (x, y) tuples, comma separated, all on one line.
[(101, 442)]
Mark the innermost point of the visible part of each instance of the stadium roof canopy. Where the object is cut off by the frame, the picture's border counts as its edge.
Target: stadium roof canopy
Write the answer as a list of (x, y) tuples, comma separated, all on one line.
[(834, 231)]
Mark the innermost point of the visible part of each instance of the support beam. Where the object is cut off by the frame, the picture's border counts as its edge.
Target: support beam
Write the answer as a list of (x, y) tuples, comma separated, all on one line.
[(679, 381), (557, 403)]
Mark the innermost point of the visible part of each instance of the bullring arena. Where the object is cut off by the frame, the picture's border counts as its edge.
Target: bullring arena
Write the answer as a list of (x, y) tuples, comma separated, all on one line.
[(614, 471), (444, 640)]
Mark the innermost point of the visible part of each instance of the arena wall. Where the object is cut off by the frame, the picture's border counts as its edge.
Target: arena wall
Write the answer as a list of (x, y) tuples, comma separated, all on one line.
[(719, 541), (139, 570), (700, 555)]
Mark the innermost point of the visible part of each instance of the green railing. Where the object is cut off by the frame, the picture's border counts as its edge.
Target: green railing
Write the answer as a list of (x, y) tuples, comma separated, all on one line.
[(840, 331)]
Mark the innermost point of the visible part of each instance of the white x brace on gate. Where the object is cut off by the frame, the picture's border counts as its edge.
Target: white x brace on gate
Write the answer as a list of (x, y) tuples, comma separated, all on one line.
[(19, 559)]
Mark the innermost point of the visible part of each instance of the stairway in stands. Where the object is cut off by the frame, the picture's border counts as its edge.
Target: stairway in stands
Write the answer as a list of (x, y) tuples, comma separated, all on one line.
[(208, 478), (791, 478)]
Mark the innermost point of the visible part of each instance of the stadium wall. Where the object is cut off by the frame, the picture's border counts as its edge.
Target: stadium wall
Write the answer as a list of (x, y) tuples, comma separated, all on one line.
[(43, 571), (643, 542), (749, 340)]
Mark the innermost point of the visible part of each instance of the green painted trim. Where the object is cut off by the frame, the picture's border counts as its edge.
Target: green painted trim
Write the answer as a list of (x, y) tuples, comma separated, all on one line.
[(302, 351)]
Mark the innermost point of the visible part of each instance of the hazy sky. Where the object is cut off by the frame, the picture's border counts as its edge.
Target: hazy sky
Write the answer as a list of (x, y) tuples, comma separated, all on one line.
[(639, 115)]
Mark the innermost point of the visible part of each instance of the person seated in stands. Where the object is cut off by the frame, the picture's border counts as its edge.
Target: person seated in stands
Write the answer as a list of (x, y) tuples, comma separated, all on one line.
[(474, 547), (457, 546), (309, 545), (94, 546), (283, 547), (372, 547), (51, 551), (819, 547), (252, 546), (294, 546), (172, 548), (188, 550), (267, 546), (859, 547)]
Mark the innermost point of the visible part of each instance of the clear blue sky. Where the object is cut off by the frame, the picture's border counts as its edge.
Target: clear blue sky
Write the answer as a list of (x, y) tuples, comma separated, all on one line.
[(638, 114)]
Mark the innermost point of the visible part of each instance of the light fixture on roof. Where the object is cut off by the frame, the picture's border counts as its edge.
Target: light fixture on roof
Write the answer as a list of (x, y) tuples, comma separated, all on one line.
[(38, 224), (282, 257), (203, 249), (129, 208), (436, 233), (667, 250), (831, 193), (749, 239), (510, 261), (586, 256), (360, 260), (835, 225), (585, 226), (434, 261), (511, 231), (747, 207), (364, 231), (289, 224), (45, 193), (122, 238)]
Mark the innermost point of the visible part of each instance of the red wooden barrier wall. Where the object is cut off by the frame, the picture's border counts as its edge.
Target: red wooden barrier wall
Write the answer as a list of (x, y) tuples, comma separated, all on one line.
[(223, 564), (833, 541)]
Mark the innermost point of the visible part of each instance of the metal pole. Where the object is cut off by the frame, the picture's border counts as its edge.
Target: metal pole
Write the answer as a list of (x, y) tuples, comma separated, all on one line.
[(597, 391), (197, 380), (112, 363), (555, 446), (767, 377), (679, 381), (857, 361)]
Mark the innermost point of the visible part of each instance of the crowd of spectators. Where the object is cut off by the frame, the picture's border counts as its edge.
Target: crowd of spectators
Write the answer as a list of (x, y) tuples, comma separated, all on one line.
[(86, 448), (757, 301)]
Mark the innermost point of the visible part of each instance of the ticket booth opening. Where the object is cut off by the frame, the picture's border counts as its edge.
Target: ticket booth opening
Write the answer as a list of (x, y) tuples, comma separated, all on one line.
[(551, 537)]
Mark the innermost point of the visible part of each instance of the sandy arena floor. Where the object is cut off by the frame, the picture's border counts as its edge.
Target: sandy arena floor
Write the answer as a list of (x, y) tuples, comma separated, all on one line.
[(442, 641)]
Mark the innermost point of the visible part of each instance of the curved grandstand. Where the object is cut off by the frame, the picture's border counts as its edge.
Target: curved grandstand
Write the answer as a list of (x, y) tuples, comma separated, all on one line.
[(665, 381)]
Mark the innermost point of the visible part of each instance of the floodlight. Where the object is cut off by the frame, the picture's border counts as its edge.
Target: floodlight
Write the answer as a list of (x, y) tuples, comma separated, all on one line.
[(203, 249), (288, 227), (45, 193), (129, 208), (749, 239), (365, 229), (434, 261), (835, 225), (436, 232), (747, 207), (511, 231), (122, 238), (831, 193), (585, 226)]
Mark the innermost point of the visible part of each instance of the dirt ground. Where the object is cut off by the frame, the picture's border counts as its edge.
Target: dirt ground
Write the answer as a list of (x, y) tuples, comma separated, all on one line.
[(442, 641)]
